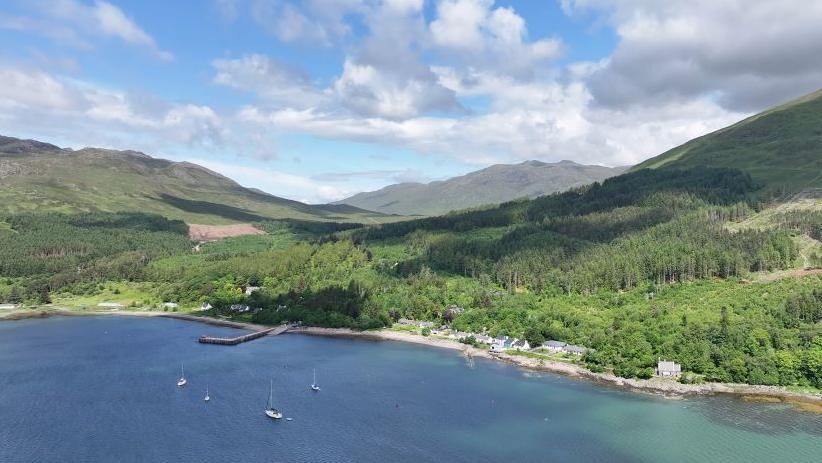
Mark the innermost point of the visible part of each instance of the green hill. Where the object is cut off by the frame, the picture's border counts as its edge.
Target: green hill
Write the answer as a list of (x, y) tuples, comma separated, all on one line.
[(492, 185), (36, 176), (780, 148)]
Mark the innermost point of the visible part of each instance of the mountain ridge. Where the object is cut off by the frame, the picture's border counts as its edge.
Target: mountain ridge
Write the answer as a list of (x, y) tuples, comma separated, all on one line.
[(39, 176), (494, 184)]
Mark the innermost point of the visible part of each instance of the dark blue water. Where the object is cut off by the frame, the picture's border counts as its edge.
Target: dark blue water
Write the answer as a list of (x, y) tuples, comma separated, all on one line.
[(103, 389)]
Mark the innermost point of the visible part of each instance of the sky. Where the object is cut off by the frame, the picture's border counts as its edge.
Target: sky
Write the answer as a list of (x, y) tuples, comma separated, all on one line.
[(316, 100)]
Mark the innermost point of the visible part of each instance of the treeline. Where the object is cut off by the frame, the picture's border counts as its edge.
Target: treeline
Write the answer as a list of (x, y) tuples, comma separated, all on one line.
[(47, 252), (803, 222), (709, 185)]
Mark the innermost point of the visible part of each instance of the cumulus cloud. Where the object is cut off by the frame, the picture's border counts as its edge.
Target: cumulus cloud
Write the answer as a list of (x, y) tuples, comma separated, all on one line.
[(482, 35), (747, 55), (76, 23), (33, 99)]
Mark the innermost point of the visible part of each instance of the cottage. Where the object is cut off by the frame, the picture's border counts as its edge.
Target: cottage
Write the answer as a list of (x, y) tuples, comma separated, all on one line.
[(240, 308), (521, 344), (170, 305), (554, 346), (484, 338), (668, 368), (575, 350), (497, 348), (8, 306), (205, 306), (249, 290), (405, 321), (425, 324)]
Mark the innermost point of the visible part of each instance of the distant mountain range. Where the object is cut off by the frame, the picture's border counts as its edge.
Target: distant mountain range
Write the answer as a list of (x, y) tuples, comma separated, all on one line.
[(781, 148), (492, 185), (43, 177)]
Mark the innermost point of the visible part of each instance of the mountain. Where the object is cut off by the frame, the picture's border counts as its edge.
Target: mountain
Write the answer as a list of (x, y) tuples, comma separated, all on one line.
[(40, 176), (781, 148), (496, 184)]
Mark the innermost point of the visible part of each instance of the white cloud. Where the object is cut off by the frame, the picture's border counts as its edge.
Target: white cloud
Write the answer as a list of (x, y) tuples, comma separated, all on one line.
[(37, 101), (300, 188), (76, 23), (482, 35), (748, 55), (270, 79)]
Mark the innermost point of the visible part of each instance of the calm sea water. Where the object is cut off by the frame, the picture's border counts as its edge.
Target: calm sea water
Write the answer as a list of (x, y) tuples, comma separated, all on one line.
[(103, 389)]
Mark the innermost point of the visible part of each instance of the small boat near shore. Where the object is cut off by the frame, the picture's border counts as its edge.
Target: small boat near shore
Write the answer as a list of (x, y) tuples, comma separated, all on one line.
[(314, 386), (182, 381), (270, 411)]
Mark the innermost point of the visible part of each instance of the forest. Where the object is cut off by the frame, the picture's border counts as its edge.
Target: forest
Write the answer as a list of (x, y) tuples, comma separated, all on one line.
[(642, 266)]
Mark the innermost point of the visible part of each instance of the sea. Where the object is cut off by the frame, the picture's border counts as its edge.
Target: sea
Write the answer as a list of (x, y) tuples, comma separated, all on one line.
[(103, 389)]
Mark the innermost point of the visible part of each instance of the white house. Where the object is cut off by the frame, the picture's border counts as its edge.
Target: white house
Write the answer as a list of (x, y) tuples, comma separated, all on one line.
[(554, 346), (668, 368), (249, 290), (170, 305), (521, 344)]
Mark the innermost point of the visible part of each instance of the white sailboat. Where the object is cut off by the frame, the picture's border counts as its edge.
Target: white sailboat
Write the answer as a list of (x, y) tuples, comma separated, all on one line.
[(314, 386), (182, 381), (270, 411), (207, 397)]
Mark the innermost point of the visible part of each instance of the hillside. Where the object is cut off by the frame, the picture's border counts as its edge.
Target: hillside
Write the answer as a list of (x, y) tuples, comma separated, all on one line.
[(492, 185), (36, 176), (781, 148)]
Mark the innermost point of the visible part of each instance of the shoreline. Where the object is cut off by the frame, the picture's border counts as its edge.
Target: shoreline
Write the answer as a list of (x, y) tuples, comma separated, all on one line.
[(657, 386)]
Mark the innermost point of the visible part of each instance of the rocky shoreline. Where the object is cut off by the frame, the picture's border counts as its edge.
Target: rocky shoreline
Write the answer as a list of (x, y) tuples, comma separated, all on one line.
[(656, 386)]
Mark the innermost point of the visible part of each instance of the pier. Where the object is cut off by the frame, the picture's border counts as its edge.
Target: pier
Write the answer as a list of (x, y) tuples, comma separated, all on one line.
[(244, 338)]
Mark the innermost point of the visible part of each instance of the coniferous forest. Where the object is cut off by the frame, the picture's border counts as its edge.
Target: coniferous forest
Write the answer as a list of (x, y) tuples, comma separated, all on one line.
[(645, 265)]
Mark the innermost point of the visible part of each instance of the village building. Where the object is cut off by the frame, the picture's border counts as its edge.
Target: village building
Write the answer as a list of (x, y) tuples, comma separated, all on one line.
[(240, 308), (249, 290), (170, 305), (205, 306), (575, 350), (554, 346), (668, 368), (405, 321), (521, 344), (484, 338), (425, 324)]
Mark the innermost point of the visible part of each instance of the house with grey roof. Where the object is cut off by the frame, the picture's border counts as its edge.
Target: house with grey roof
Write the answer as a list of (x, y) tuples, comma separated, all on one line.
[(554, 346), (668, 368), (575, 350)]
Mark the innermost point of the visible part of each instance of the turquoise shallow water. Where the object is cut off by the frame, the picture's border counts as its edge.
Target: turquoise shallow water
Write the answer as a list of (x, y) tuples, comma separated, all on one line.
[(103, 389)]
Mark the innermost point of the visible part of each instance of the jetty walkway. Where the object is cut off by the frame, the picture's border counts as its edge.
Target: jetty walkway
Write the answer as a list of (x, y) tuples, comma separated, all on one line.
[(244, 338)]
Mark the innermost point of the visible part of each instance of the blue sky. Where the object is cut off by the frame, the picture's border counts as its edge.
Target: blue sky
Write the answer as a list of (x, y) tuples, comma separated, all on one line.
[(318, 99)]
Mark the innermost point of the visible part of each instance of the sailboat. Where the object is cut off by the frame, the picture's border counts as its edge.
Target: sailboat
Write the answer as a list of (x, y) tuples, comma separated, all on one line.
[(182, 381), (270, 411), (207, 397), (314, 386)]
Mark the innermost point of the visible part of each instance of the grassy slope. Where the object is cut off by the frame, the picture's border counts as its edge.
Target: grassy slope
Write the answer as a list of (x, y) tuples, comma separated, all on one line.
[(781, 148), (103, 180)]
